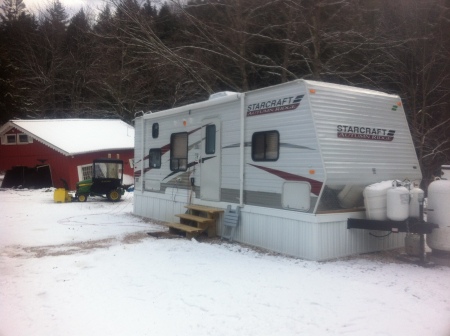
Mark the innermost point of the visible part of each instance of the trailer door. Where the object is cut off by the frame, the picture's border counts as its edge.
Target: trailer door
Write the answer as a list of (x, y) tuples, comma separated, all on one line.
[(210, 160)]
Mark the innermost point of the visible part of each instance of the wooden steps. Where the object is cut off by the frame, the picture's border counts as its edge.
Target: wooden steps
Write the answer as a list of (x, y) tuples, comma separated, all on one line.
[(202, 208), (190, 231), (199, 219)]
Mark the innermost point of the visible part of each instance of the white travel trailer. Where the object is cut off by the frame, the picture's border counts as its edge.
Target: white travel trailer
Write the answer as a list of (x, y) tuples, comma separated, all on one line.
[(295, 157)]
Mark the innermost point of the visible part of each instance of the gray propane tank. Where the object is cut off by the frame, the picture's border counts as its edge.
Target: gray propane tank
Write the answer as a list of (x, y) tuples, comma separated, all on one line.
[(416, 196), (412, 244)]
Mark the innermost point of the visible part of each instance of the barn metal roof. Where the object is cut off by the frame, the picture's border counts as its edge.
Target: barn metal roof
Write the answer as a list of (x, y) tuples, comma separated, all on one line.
[(76, 136)]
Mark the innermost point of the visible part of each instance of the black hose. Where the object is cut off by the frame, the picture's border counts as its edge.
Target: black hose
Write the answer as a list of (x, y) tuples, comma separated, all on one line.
[(387, 234)]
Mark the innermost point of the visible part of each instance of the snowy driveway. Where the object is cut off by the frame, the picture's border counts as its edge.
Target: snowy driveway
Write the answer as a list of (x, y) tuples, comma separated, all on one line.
[(91, 269)]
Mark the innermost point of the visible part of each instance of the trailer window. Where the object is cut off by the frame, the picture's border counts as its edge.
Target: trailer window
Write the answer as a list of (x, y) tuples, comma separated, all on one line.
[(210, 139), (265, 146), (178, 151), (154, 158), (155, 130)]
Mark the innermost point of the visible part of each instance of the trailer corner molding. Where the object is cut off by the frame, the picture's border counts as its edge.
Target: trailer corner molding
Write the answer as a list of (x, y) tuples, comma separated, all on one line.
[(274, 105), (364, 133)]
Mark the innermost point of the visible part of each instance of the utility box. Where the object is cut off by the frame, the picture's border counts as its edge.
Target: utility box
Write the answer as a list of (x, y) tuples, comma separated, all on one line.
[(445, 172)]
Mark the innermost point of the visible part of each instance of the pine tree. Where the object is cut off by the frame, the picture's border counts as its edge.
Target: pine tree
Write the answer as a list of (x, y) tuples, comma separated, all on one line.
[(11, 9), (16, 28), (78, 60), (52, 99)]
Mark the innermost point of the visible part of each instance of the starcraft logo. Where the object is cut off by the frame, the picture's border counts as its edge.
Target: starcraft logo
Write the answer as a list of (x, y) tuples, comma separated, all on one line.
[(364, 133), (273, 106)]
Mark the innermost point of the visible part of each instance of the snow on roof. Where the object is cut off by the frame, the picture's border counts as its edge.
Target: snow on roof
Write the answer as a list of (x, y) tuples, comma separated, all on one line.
[(355, 89), (76, 136)]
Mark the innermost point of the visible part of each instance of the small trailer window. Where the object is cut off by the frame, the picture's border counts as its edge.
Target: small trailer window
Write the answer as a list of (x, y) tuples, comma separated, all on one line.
[(178, 151), (210, 139), (154, 158), (265, 146), (155, 130)]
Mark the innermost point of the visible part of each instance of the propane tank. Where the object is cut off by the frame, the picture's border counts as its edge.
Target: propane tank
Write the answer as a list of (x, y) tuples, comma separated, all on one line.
[(350, 196), (375, 200), (397, 206), (439, 213), (416, 197)]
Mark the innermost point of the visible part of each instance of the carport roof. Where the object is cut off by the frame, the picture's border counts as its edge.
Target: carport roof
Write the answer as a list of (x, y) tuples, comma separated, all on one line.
[(76, 136)]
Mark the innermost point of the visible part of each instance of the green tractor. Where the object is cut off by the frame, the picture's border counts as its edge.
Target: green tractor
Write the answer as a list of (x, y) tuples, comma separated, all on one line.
[(107, 177)]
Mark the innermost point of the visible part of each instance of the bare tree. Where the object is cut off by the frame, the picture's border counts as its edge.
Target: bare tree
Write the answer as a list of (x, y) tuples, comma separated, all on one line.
[(137, 56), (419, 67)]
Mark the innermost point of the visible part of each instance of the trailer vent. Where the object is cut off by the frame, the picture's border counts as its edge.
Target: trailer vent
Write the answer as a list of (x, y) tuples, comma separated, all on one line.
[(222, 94)]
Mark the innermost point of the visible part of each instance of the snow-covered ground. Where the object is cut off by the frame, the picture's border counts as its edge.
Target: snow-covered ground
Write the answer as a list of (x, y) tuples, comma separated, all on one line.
[(91, 269)]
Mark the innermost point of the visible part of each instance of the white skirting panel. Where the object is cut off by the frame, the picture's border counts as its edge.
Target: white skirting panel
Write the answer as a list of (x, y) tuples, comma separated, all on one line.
[(336, 241), (303, 236), (310, 238), (163, 207), (286, 236)]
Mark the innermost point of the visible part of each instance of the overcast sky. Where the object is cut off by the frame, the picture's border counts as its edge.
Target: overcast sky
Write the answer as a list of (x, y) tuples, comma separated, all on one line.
[(72, 6)]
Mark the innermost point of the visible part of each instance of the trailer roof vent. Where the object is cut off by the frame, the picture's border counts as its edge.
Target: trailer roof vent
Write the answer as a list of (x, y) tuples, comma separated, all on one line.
[(222, 94)]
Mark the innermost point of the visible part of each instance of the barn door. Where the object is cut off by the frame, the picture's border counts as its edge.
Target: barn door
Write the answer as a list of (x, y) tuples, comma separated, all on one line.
[(210, 160)]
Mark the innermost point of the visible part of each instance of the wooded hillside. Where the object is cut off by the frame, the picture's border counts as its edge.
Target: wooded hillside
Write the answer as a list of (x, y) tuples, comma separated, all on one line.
[(140, 56)]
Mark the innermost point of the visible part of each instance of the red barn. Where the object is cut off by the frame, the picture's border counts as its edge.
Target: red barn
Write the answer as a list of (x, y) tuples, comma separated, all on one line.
[(40, 153)]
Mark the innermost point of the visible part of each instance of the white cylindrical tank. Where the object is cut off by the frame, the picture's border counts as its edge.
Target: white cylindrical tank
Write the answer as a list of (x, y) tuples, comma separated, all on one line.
[(416, 197), (350, 196), (375, 200), (397, 206), (439, 213)]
